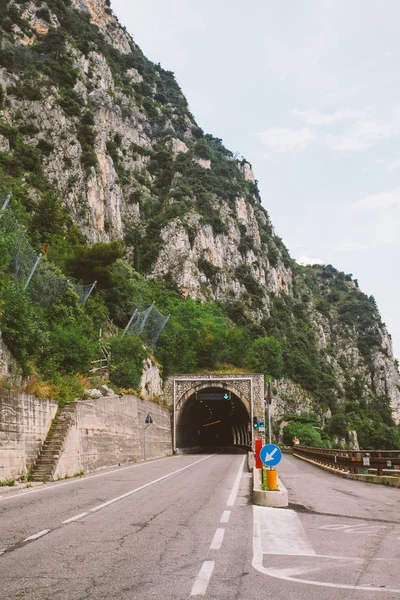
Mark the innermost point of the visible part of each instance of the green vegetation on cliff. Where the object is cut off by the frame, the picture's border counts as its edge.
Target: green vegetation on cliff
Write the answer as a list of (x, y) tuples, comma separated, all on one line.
[(313, 326)]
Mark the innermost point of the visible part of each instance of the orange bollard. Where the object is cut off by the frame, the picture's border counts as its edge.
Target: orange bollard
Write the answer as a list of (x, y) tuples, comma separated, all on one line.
[(272, 479)]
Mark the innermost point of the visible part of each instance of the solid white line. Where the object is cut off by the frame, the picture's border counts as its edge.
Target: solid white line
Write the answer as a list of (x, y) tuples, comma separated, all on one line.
[(232, 497), (217, 539), (75, 518), (225, 516), (203, 579), (283, 574), (37, 535), (146, 485), (79, 480)]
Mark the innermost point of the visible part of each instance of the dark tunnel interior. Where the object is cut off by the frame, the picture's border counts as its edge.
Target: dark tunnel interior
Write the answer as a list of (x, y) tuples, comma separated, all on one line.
[(213, 417)]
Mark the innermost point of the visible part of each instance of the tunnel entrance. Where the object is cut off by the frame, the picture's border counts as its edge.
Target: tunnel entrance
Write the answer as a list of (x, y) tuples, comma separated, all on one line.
[(213, 416)]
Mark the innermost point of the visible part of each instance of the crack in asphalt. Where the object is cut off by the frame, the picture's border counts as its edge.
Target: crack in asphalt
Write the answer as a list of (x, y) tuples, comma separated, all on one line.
[(300, 508)]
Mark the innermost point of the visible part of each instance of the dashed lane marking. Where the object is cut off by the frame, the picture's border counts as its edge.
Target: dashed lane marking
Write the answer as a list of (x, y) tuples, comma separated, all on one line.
[(76, 518), (146, 485), (36, 536), (79, 480), (217, 539), (225, 516), (112, 501), (203, 578)]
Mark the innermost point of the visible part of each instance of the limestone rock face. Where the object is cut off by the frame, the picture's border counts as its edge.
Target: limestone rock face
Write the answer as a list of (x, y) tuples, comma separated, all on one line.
[(204, 162), (151, 383), (248, 172), (121, 150), (385, 380)]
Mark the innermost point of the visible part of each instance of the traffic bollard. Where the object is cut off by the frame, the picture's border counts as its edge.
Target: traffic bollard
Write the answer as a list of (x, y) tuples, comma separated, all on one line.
[(272, 479)]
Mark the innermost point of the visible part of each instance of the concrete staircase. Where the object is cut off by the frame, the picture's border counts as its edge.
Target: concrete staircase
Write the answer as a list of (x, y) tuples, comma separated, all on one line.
[(46, 463)]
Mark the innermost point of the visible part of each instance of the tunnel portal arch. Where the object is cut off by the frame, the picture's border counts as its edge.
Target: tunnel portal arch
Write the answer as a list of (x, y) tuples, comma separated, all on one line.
[(231, 402)]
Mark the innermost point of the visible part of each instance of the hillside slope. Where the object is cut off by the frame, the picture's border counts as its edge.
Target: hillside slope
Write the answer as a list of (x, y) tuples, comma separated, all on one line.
[(97, 145)]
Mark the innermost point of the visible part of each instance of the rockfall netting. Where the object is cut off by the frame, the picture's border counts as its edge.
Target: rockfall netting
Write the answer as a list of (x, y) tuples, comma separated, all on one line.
[(148, 324), (29, 269)]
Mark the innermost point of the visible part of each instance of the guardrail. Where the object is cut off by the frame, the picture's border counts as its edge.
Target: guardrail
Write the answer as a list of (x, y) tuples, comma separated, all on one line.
[(354, 461)]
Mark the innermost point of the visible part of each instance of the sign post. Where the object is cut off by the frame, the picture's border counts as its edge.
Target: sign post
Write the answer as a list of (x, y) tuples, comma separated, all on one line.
[(271, 455), (148, 421), (268, 401)]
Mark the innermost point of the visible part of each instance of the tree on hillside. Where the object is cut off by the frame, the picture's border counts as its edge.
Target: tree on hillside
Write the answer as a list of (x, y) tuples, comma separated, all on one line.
[(265, 356)]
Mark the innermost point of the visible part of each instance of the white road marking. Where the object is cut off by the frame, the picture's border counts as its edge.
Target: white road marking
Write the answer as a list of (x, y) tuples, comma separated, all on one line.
[(225, 516), (281, 532), (146, 485), (286, 573), (75, 518), (79, 480), (233, 494), (37, 535), (217, 539), (203, 579), (363, 528)]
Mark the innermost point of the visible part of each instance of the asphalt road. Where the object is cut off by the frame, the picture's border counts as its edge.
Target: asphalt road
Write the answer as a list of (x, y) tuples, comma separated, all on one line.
[(185, 527)]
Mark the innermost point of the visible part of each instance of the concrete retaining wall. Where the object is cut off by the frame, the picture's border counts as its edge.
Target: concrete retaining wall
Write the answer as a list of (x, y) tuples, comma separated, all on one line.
[(24, 423), (110, 431)]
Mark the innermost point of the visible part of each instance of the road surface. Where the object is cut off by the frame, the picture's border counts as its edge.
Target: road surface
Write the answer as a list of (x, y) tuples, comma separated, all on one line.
[(184, 527)]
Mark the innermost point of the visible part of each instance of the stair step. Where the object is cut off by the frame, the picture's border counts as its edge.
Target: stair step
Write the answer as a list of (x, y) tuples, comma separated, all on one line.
[(53, 445)]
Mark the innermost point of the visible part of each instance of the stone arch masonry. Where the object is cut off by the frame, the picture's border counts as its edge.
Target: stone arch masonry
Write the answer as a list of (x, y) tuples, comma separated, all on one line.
[(249, 387)]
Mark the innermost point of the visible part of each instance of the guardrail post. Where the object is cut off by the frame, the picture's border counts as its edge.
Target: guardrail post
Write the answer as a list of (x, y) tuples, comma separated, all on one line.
[(379, 467)]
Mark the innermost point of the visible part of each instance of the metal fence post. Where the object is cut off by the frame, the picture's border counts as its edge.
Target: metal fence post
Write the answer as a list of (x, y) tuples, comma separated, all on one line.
[(130, 321), (7, 200), (39, 258)]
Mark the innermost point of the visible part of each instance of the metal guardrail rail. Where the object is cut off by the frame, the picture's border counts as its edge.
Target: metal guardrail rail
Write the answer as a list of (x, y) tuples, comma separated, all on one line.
[(353, 461)]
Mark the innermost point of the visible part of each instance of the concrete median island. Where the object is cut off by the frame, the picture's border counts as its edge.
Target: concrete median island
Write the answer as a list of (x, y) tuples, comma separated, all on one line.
[(277, 499)]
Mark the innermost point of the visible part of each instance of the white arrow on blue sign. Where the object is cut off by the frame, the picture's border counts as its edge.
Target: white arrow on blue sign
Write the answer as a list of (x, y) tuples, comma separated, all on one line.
[(270, 455)]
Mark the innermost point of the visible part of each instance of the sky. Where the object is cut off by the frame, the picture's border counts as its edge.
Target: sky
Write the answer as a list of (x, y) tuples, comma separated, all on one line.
[(309, 93)]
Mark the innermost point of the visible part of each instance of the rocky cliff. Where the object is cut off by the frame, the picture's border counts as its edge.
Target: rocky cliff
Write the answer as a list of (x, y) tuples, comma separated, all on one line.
[(87, 121)]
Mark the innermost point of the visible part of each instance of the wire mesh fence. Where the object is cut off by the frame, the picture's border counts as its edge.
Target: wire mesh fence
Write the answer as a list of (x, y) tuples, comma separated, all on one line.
[(43, 282), (46, 285), (147, 324), (22, 257), (83, 291)]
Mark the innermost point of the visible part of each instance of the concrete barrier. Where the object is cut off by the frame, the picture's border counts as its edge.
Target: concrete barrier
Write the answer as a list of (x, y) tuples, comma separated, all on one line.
[(261, 497)]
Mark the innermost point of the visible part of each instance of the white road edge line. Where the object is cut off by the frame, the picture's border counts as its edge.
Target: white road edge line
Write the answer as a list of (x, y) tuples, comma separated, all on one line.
[(232, 497), (203, 578), (257, 564), (75, 518), (217, 539), (37, 535), (146, 485), (79, 480), (225, 516)]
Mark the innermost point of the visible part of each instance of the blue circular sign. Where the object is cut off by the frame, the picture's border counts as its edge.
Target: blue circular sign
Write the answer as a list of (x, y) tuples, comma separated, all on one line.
[(270, 455)]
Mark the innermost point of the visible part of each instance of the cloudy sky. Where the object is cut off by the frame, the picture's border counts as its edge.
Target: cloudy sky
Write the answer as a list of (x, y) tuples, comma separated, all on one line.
[(309, 93)]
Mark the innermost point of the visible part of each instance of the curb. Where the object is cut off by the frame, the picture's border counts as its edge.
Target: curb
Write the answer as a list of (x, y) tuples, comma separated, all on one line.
[(268, 498)]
